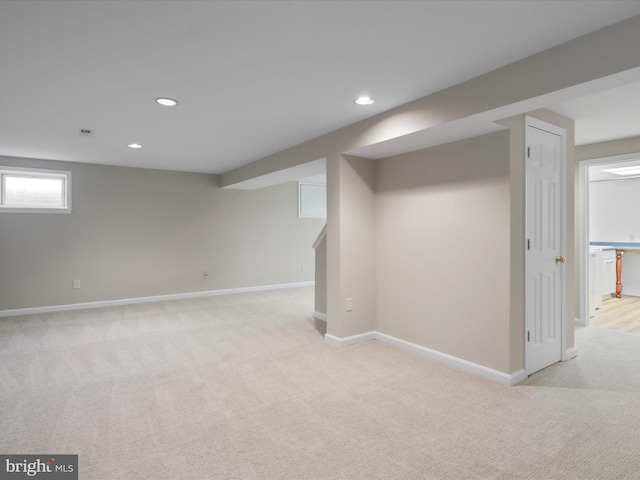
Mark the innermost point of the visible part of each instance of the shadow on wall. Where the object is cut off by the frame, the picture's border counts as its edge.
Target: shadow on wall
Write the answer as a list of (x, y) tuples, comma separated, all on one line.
[(319, 326), (432, 172)]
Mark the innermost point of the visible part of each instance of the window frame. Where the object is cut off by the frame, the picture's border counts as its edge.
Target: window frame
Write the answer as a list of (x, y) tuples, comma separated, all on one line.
[(302, 212), (41, 173)]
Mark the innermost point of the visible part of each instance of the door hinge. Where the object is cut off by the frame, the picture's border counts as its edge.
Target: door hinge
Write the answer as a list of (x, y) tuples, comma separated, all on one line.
[(528, 152), (528, 244), (528, 335)]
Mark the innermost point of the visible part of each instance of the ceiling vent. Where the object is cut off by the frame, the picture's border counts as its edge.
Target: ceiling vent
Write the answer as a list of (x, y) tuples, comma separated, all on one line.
[(85, 132)]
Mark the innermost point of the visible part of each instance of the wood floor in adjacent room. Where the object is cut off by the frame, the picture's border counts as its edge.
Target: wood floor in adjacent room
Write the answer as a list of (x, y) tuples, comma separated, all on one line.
[(621, 314)]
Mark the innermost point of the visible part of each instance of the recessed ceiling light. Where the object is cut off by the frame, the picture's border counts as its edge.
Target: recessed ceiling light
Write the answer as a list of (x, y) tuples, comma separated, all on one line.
[(134, 145), (364, 100), (166, 102)]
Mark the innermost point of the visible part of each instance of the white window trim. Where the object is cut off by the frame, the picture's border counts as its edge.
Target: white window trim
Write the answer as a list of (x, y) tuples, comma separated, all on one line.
[(301, 211), (37, 173)]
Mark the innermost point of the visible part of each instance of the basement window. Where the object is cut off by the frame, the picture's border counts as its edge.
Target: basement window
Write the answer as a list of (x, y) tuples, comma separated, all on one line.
[(34, 190), (312, 200)]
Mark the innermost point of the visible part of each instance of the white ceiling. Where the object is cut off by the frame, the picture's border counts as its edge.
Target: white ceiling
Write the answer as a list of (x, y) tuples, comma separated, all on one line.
[(597, 173), (256, 77), (606, 115)]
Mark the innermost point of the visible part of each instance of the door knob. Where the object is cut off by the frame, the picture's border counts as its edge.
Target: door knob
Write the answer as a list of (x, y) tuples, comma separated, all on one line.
[(560, 259)]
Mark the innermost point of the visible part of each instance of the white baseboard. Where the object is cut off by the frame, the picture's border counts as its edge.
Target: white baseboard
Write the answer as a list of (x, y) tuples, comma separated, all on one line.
[(346, 341), (470, 367), (159, 298), (570, 353), (577, 321), (459, 363), (320, 316), (631, 293)]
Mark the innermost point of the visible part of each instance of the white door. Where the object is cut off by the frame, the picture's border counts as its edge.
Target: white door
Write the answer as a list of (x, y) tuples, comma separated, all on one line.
[(545, 276)]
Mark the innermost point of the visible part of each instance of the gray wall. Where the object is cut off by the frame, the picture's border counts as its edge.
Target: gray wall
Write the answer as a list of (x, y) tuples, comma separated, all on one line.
[(357, 246), (608, 149), (137, 232), (443, 252), (613, 211), (321, 277)]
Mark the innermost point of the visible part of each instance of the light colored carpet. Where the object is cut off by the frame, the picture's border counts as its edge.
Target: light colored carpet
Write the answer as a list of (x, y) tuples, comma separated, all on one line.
[(244, 387)]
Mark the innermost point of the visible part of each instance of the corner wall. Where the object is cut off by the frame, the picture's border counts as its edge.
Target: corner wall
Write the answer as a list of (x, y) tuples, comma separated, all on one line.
[(443, 249), (321, 276), (449, 226), (608, 149), (350, 244), (137, 233)]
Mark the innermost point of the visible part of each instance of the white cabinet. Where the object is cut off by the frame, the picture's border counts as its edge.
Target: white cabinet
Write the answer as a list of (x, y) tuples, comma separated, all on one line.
[(592, 284), (597, 283), (602, 277), (608, 285)]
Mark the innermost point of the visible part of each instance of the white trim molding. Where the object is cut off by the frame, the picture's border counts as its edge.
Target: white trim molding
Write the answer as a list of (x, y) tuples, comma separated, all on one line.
[(570, 353), (352, 340), (320, 316), (465, 365), (159, 298), (583, 226), (36, 173), (321, 236), (461, 364), (631, 293)]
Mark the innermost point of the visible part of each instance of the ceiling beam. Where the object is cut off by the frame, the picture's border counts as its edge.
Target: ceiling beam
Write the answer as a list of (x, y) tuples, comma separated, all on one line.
[(600, 60)]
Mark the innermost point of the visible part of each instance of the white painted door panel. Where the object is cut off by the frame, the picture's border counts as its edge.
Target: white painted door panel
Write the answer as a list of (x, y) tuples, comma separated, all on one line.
[(544, 267)]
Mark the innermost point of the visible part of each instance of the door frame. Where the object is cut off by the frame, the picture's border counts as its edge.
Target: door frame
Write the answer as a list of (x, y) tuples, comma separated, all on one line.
[(583, 226), (556, 130)]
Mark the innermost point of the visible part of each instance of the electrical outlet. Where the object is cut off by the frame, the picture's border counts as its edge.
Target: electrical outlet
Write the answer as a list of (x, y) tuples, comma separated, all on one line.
[(349, 304), (304, 268), (206, 275), (76, 284)]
